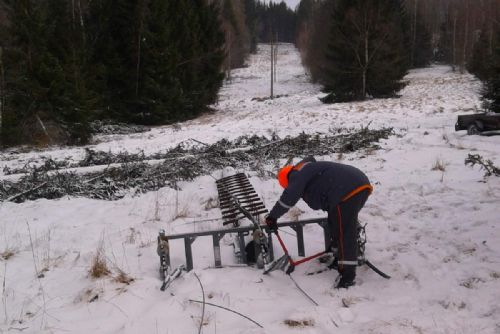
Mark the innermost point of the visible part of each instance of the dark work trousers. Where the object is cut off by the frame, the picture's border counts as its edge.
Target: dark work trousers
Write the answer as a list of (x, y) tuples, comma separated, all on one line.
[(343, 222)]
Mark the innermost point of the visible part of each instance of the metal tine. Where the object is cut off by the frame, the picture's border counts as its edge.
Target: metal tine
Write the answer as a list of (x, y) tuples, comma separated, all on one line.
[(230, 185), (236, 177), (236, 189), (239, 178), (245, 203), (232, 177), (244, 194), (239, 195), (256, 206), (234, 185), (234, 215), (232, 182)]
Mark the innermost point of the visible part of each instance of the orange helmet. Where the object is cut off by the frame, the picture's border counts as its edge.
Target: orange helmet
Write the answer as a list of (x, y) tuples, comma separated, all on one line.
[(283, 175)]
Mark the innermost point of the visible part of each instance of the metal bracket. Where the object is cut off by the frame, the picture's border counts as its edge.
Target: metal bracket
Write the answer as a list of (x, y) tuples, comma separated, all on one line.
[(216, 243), (189, 253), (300, 239)]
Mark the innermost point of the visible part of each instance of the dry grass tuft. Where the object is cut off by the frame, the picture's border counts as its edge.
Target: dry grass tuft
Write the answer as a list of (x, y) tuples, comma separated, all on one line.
[(299, 323), (99, 267), (123, 277), (439, 165), (7, 254)]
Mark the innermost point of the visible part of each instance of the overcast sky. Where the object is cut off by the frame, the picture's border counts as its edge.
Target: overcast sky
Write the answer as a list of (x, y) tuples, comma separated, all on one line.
[(291, 3)]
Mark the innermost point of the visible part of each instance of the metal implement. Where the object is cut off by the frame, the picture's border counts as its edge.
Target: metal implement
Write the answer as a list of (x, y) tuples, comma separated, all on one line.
[(229, 187), (242, 231), (236, 192)]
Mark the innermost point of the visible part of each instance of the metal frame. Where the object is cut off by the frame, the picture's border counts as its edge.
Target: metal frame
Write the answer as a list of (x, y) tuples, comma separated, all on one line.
[(243, 231)]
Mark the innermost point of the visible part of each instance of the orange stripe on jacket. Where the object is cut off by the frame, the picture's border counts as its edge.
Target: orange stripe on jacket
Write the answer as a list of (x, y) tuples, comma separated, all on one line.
[(357, 191)]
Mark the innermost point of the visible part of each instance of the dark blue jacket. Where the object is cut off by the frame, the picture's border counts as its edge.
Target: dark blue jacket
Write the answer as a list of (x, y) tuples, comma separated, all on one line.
[(322, 185)]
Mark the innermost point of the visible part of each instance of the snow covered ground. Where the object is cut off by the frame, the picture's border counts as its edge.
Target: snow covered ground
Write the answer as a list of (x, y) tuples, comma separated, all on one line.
[(434, 230)]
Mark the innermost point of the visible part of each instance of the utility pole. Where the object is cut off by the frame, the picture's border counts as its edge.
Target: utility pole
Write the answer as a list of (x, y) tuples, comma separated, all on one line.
[(275, 59), (272, 66)]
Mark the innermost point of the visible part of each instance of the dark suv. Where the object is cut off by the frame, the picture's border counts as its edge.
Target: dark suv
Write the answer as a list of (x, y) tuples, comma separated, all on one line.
[(476, 124)]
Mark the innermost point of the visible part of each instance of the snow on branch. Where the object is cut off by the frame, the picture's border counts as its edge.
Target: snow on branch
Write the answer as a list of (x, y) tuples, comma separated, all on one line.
[(125, 173), (487, 166)]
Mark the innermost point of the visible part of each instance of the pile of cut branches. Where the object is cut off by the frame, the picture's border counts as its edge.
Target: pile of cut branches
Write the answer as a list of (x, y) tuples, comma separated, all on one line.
[(134, 174)]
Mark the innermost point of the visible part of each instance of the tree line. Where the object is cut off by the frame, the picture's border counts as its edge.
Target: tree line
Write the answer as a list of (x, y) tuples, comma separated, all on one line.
[(65, 63), (359, 49)]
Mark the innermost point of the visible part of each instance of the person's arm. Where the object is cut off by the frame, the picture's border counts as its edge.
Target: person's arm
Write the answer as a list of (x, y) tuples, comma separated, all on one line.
[(291, 194)]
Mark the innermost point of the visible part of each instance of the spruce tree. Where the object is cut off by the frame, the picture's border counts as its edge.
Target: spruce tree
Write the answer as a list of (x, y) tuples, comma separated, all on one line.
[(115, 30), (491, 94), (367, 51), (211, 43), (46, 97), (161, 61), (251, 20), (160, 90), (481, 62), (423, 54)]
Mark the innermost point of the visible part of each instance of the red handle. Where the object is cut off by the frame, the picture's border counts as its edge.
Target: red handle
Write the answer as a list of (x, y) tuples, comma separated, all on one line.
[(292, 262)]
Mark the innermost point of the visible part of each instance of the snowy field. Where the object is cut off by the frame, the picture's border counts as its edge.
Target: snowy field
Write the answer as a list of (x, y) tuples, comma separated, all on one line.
[(435, 230)]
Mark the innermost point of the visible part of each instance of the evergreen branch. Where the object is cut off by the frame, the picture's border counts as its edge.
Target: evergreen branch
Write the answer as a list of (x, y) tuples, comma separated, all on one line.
[(487, 165)]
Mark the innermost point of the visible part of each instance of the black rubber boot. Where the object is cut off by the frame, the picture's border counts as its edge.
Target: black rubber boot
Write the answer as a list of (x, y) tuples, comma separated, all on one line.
[(346, 278)]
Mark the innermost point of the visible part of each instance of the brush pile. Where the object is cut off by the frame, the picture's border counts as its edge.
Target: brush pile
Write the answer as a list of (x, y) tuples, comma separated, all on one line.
[(126, 173)]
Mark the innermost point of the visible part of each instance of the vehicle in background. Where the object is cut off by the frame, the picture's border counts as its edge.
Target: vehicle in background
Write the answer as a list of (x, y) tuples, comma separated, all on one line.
[(479, 124)]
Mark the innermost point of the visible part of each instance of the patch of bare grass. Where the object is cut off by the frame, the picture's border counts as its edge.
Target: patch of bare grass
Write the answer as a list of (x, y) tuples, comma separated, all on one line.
[(7, 254), (299, 323), (99, 267), (123, 277), (439, 165)]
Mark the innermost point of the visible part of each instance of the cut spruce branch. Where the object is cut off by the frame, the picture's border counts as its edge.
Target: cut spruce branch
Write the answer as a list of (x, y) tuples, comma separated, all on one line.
[(486, 165), (138, 173)]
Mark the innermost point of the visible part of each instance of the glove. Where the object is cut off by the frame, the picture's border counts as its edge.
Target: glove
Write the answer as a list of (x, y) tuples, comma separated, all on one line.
[(272, 224)]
